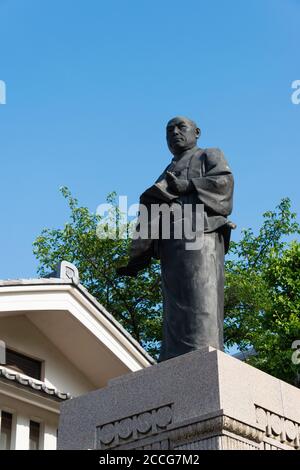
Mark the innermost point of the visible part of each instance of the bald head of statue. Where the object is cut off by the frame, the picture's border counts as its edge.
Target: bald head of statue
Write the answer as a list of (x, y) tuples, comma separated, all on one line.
[(182, 135)]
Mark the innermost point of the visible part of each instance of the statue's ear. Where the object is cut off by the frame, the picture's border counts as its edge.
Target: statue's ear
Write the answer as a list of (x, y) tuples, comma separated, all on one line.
[(198, 132)]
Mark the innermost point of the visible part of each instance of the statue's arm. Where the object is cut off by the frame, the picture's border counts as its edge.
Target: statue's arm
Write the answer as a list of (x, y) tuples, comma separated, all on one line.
[(143, 250), (215, 187)]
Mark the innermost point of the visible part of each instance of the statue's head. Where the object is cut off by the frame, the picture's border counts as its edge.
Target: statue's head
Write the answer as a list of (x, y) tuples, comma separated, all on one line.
[(182, 134)]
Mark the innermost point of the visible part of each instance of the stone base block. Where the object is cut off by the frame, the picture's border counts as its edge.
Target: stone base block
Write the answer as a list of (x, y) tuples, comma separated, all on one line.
[(202, 400)]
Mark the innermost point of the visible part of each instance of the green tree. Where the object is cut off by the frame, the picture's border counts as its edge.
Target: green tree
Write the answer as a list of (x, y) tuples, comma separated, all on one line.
[(262, 289), (262, 293)]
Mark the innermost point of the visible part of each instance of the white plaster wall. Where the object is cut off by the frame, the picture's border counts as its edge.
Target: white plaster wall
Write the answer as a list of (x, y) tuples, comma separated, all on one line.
[(22, 414), (23, 336)]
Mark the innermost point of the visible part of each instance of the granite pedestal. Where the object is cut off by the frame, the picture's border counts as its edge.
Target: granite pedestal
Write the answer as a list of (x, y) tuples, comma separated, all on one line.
[(202, 400)]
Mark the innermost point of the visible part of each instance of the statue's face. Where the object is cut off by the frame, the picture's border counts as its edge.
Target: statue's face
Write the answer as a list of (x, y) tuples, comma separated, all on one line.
[(182, 135)]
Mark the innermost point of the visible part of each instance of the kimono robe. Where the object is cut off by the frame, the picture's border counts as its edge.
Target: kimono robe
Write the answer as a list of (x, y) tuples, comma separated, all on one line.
[(192, 280)]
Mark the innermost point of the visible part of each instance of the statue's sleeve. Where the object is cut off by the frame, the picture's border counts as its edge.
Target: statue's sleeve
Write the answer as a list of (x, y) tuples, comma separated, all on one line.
[(143, 249), (215, 187)]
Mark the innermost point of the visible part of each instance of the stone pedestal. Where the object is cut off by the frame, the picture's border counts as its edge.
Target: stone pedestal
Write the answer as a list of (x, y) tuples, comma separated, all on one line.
[(202, 400)]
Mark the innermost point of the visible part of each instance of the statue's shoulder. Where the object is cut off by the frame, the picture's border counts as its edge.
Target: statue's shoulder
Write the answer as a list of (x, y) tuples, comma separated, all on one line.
[(213, 154), (215, 158)]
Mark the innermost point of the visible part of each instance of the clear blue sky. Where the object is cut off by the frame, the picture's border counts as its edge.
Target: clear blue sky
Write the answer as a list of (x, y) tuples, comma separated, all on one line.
[(92, 83)]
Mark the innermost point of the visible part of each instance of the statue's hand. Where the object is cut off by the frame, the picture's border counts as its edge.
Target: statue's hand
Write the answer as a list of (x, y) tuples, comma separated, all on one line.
[(179, 185)]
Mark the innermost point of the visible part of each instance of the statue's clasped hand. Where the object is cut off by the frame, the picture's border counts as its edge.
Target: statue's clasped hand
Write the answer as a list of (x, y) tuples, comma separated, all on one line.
[(179, 185)]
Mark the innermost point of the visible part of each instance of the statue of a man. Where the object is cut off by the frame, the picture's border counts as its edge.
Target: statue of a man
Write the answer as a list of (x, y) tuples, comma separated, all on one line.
[(192, 279)]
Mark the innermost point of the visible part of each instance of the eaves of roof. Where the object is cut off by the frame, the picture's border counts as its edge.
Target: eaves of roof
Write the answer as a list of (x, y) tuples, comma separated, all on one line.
[(33, 385)]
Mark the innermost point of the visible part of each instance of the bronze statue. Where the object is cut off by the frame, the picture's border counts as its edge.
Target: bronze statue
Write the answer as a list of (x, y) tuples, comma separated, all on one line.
[(192, 280)]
